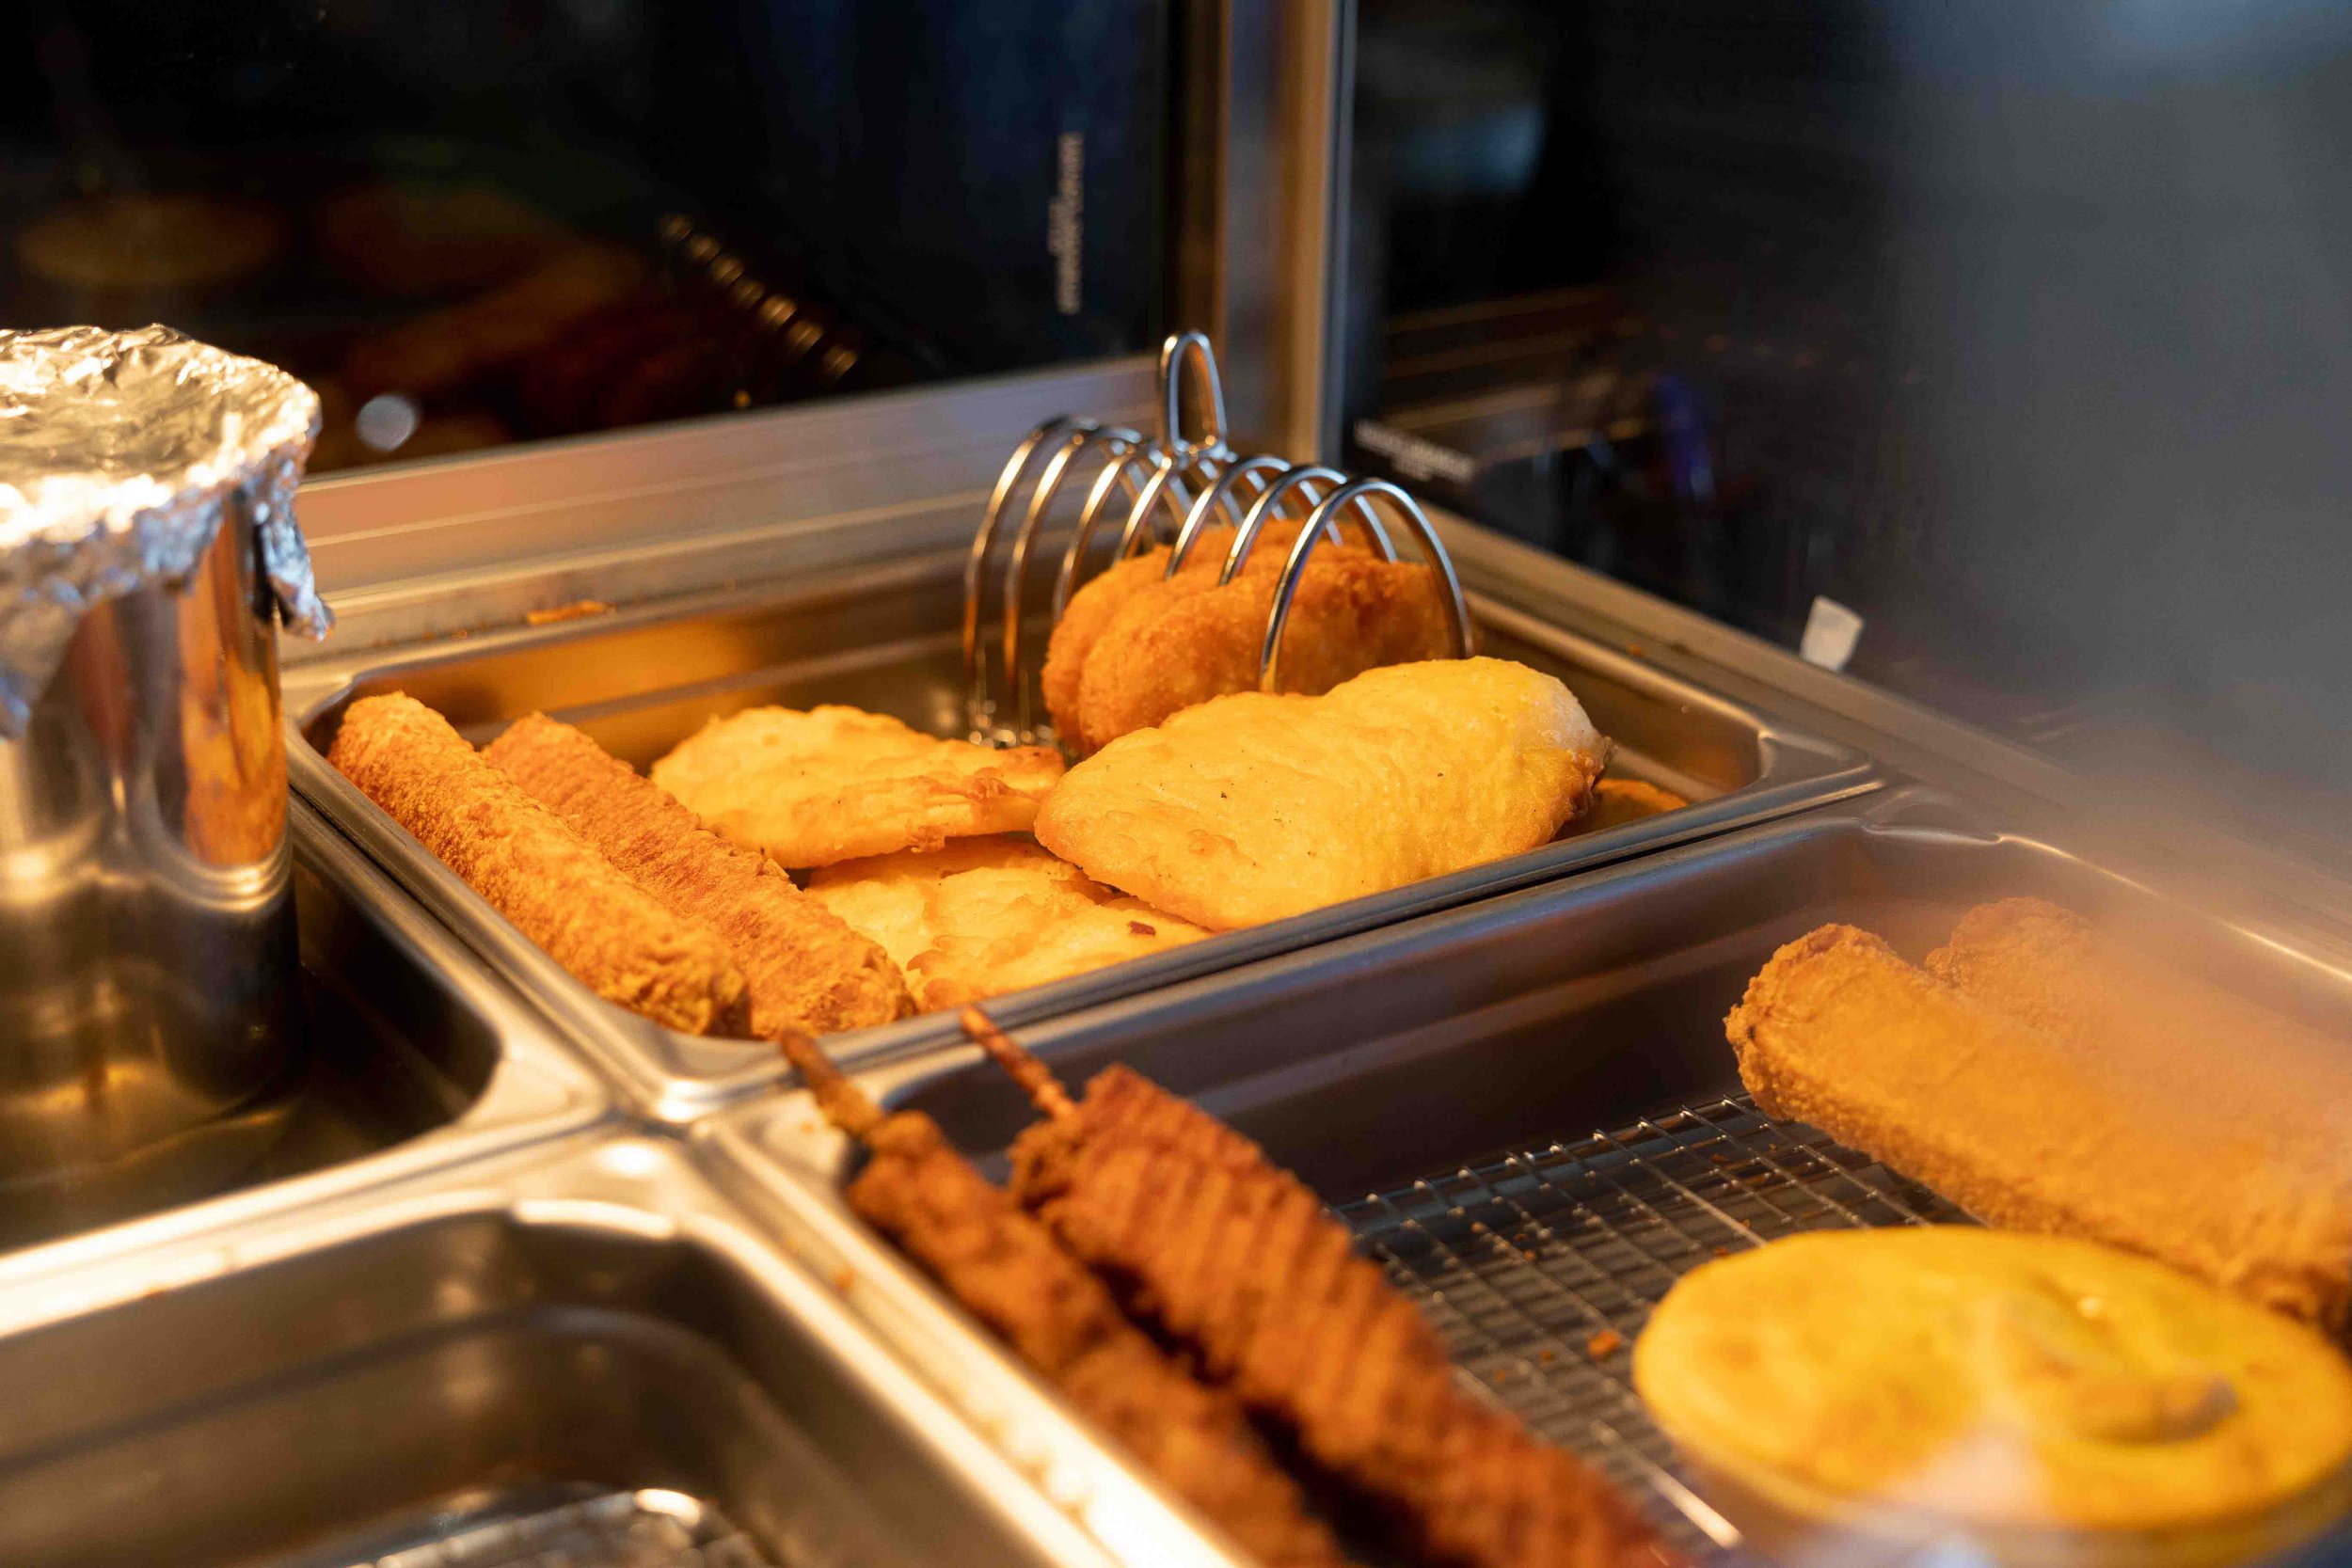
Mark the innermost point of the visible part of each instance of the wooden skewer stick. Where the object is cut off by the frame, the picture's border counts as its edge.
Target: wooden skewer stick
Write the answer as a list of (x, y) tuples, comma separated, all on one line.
[(1036, 1078)]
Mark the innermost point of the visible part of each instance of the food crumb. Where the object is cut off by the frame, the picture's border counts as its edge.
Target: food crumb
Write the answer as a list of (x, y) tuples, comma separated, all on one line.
[(1500, 1375), (843, 1278), (1546, 1357), (1722, 1252), (1139, 929), (1606, 1343), (573, 611)]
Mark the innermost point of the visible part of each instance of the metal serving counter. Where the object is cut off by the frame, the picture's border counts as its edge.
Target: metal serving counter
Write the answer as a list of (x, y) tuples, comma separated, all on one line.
[(579, 1354), (1526, 1107), (883, 638)]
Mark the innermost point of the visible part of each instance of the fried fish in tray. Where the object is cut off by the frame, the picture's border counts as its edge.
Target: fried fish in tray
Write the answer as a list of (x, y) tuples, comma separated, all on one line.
[(1256, 806), (835, 783), (984, 916)]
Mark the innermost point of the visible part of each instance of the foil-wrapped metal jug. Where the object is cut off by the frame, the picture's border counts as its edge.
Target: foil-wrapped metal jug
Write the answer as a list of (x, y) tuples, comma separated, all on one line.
[(149, 1001)]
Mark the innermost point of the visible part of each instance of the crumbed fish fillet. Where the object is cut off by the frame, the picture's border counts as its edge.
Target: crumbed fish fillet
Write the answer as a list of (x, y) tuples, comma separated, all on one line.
[(2062, 1132), (807, 969), (537, 871), (1232, 1258), (2270, 1100)]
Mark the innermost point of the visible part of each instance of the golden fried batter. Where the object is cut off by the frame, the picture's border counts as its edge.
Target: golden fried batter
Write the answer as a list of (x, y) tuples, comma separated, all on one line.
[(807, 970), (1618, 801), (1133, 647), (1251, 807), (537, 871), (985, 916), (2113, 1142), (835, 783), (2252, 1077)]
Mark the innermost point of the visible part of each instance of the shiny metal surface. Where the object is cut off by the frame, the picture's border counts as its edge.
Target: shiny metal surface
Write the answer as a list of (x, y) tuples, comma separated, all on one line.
[(585, 1316), (147, 936), (418, 1058), (1402, 1071), (885, 637)]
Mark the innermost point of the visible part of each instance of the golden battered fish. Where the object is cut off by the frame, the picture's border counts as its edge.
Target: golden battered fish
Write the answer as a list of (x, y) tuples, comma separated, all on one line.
[(2113, 1139), (1255, 806), (984, 916), (1134, 648), (835, 784)]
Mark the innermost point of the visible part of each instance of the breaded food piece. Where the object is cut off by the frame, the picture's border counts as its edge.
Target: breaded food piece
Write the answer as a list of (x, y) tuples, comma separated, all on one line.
[(2041, 1131), (985, 916), (1092, 607), (537, 871), (1618, 801), (1166, 651), (2264, 1090), (1256, 806), (835, 783), (1989, 1379), (807, 970)]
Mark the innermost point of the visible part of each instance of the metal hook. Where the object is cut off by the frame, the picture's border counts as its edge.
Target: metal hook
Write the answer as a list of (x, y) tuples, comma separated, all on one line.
[(1190, 354), (1351, 493)]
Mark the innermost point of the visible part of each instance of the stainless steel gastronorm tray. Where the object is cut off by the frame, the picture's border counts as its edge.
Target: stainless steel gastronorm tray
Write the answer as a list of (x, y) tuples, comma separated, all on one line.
[(1526, 1107), (415, 1056), (884, 637), (580, 1345)]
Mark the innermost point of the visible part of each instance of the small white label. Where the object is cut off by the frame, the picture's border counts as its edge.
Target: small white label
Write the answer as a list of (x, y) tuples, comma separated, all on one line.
[(1065, 220), (1831, 630), (1414, 457)]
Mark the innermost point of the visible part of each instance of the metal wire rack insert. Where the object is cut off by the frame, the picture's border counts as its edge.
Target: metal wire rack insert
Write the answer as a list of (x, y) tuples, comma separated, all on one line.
[(1541, 1266)]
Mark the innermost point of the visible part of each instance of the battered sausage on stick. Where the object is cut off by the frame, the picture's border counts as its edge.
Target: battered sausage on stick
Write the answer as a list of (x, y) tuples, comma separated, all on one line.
[(2101, 1133), (536, 871), (1009, 1272), (1225, 1253), (808, 970)]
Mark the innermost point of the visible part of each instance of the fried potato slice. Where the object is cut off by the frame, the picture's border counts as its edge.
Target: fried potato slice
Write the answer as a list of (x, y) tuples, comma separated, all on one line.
[(984, 916), (835, 783), (1256, 806)]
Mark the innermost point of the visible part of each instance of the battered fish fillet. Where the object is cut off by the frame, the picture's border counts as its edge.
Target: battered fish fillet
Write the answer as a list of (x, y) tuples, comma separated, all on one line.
[(537, 871), (1253, 807), (2266, 1093), (1618, 801), (989, 915), (833, 784), (1167, 644), (2112, 1140), (807, 970)]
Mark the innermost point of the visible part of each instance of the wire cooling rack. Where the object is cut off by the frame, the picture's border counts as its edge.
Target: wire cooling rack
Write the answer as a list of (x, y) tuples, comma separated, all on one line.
[(1540, 1266)]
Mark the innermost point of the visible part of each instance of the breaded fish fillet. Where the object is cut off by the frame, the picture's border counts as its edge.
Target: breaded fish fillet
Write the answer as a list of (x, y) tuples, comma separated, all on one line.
[(2040, 1130), (1255, 806), (835, 783), (537, 871), (2264, 1089), (985, 916), (1134, 648), (807, 970)]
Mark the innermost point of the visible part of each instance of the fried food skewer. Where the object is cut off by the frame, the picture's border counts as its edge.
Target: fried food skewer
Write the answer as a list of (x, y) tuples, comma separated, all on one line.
[(1159, 1198), (807, 970), (536, 870), (1009, 1271)]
